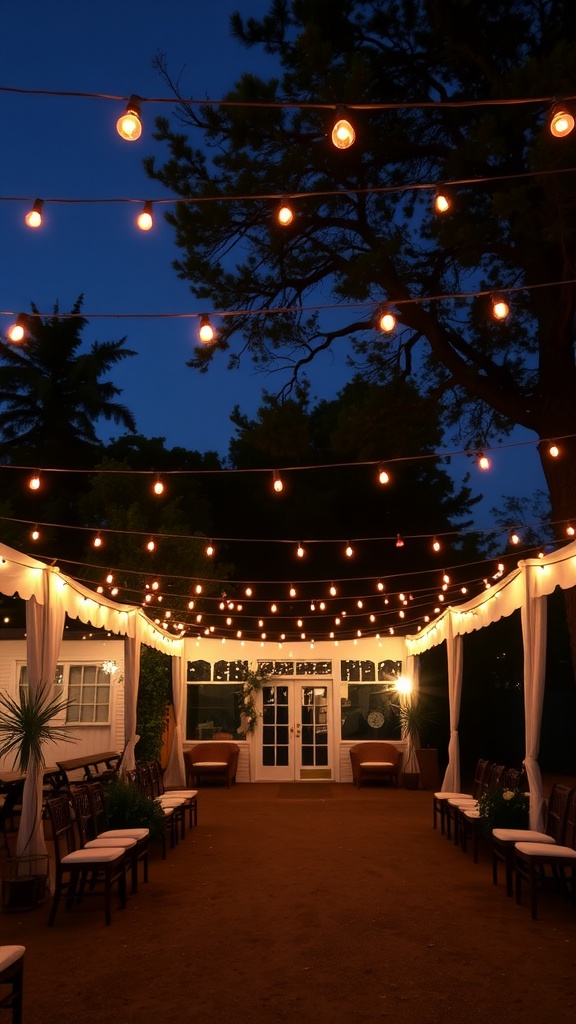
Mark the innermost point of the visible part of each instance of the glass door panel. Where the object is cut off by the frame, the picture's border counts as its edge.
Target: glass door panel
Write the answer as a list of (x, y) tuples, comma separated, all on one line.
[(294, 741)]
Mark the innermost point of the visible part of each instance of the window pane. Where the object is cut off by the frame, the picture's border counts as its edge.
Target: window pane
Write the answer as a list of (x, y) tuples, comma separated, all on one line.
[(101, 713), (213, 707)]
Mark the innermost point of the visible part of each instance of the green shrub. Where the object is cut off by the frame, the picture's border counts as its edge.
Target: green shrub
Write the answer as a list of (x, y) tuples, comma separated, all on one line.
[(128, 807), (154, 699), (503, 808)]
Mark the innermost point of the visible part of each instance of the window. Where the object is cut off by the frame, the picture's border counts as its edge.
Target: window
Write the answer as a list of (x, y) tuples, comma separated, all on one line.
[(57, 683), (212, 708), (89, 691), (369, 711)]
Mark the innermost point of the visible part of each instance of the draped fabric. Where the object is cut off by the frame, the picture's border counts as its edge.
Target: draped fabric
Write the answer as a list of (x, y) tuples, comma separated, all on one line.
[(44, 629), (132, 645), (451, 780), (534, 631), (175, 774), (413, 674)]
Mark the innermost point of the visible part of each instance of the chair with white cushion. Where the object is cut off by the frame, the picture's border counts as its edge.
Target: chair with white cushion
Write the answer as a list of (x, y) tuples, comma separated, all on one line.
[(440, 799), (532, 859), (211, 761), (374, 762), (12, 976), (101, 831), (504, 839)]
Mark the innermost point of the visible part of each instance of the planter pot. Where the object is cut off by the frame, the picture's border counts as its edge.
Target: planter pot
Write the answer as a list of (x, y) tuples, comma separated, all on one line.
[(411, 780), (24, 882), (429, 770)]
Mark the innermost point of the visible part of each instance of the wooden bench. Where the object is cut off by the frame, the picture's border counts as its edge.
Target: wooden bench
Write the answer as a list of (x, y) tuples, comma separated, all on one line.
[(92, 766)]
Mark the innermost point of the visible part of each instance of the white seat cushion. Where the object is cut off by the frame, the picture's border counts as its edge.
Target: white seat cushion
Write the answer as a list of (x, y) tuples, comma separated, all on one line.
[(521, 835), (123, 842), (376, 764), (9, 955), (104, 855), (546, 850), (449, 796), (131, 833), (186, 794), (460, 801), (210, 764)]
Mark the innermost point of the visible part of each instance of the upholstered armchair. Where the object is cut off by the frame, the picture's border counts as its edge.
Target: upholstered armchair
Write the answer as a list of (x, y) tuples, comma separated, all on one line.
[(211, 760), (375, 762)]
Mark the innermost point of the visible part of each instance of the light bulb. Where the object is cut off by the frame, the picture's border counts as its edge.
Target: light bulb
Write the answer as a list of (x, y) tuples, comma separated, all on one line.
[(333, 591), (35, 533), (129, 125), (300, 551), (500, 308), (277, 483), (292, 591), (206, 332), (514, 538), (158, 487), (483, 461), (554, 451), (151, 545), (34, 482), (570, 531), (387, 321), (285, 215), (399, 541), (17, 330), (349, 551), (34, 216), (436, 544), (343, 135), (383, 476), (145, 220), (442, 202), (97, 542), (210, 549), (561, 122)]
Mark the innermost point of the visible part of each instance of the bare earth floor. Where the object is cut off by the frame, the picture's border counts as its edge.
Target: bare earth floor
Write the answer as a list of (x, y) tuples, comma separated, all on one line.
[(306, 904)]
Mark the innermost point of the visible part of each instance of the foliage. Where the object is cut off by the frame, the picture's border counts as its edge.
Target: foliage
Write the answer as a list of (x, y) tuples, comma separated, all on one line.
[(52, 393), (25, 726), (252, 682), (415, 719), (503, 808), (154, 698), (128, 807)]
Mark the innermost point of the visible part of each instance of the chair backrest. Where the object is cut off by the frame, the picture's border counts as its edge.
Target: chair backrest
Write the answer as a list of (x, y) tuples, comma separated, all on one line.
[(63, 834), (144, 780), (214, 751), (84, 814), (514, 778), (556, 813), (480, 776), (98, 805), (569, 838), (496, 776)]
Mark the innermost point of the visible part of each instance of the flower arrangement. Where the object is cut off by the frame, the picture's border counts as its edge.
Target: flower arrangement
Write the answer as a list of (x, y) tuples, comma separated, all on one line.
[(252, 682), (503, 808)]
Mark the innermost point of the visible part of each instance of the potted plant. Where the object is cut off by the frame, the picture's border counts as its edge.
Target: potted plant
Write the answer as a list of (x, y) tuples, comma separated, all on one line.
[(414, 721), (25, 728)]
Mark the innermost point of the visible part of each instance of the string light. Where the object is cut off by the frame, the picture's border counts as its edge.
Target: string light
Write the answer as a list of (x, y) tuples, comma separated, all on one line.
[(386, 321), (436, 545), (514, 538), (129, 125), (285, 214), (34, 482), (277, 482), (561, 121), (349, 551), (145, 219), (399, 541), (343, 135), (483, 461), (300, 551), (17, 330), (383, 476), (206, 331), (500, 308), (97, 542), (442, 202), (151, 546), (158, 487), (554, 450), (34, 216), (35, 533), (292, 591), (333, 590), (210, 549)]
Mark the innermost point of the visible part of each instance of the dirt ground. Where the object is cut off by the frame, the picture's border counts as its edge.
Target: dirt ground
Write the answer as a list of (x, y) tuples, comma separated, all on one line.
[(310, 904)]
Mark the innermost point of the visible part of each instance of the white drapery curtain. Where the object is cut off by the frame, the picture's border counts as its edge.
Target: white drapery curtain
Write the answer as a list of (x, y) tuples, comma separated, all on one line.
[(451, 781), (175, 774), (132, 646), (44, 629), (534, 632), (413, 674)]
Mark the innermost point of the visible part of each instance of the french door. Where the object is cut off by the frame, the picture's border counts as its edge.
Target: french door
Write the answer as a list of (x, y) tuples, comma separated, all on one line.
[(295, 738)]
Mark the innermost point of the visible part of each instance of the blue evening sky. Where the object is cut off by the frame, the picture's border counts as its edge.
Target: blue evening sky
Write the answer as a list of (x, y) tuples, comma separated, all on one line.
[(67, 148)]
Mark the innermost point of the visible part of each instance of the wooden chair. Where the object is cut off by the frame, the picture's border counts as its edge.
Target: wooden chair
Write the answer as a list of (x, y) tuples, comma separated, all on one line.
[(374, 762), (532, 859), (12, 976), (173, 813), (101, 831), (90, 841), (211, 761), (504, 839), (189, 796), (491, 780), (73, 866), (440, 799)]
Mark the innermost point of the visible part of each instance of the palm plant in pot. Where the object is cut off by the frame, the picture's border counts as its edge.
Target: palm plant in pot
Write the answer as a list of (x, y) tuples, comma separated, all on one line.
[(26, 726), (415, 719)]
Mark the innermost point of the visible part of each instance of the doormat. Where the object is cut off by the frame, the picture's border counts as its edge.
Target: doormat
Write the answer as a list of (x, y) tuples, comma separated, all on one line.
[(305, 790)]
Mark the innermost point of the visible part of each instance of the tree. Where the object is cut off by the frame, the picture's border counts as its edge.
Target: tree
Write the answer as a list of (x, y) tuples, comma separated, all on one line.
[(364, 231), (52, 393)]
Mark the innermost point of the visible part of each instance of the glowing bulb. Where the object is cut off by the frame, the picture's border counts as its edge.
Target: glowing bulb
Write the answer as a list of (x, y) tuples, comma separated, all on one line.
[(285, 215), (483, 461), (333, 591), (570, 531), (349, 551), (34, 216), (198, 588), (442, 202), (34, 483), (500, 308), (514, 538), (16, 331), (292, 591), (97, 542), (158, 487), (561, 122), (380, 585), (383, 476), (436, 544), (273, 608), (554, 451), (151, 545), (248, 591), (145, 220), (343, 135), (387, 321), (399, 541), (206, 332), (300, 551), (277, 483), (129, 125), (210, 549), (35, 533)]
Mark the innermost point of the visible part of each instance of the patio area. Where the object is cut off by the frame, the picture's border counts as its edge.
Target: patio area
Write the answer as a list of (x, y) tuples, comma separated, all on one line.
[(306, 902)]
